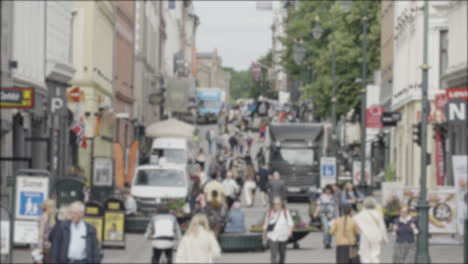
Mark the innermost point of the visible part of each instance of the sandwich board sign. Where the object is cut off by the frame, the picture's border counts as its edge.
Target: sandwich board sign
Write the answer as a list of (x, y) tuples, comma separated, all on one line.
[(327, 171)]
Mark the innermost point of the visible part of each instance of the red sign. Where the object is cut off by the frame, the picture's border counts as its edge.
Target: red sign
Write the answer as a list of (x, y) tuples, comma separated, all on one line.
[(457, 93), (440, 101), (373, 115), (75, 95), (439, 158)]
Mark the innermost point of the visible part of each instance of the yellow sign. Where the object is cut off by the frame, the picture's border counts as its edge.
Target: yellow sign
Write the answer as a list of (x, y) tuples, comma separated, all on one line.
[(114, 206), (92, 210), (97, 223), (17, 97), (114, 226)]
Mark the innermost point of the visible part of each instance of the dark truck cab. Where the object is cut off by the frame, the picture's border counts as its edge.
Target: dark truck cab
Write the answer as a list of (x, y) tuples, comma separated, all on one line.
[(294, 151)]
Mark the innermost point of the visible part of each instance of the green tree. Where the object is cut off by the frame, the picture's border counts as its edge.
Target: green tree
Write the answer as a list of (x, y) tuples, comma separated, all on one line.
[(348, 49)]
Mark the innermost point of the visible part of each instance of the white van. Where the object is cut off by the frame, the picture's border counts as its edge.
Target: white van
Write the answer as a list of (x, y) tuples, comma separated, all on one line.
[(175, 150), (155, 183)]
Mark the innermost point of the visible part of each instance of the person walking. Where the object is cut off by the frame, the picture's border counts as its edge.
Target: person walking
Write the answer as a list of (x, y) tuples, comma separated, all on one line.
[(276, 187), (233, 144), (209, 137), (346, 229), (277, 229), (201, 159), (351, 196), (230, 189), (327, 209), (235, 220), (262, 182), (373, 232), (196, 194), (249, 185), (198, 245), (75, 241), (337, 196), (214, 185), (163, 229), (405, 230), (130, 204), (46, 223)]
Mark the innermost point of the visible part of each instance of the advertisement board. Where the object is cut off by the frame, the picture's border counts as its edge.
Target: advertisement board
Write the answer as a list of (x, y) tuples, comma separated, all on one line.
[(357, 172), (460, 175), (16, 97), (26, 232), (97, 223), (327, 171), (114, 226), (442, 211), (30, 193), (102, 172)]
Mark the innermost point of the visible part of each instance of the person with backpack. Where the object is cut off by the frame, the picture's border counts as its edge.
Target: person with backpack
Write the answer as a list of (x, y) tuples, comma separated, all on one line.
[(277, 229), (163, 229)]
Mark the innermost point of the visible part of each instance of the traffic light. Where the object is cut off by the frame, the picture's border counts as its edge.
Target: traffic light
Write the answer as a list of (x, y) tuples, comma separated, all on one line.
[(417, 133)]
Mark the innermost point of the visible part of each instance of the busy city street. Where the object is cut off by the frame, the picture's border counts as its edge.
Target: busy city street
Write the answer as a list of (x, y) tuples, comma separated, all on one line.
[(185, 131)]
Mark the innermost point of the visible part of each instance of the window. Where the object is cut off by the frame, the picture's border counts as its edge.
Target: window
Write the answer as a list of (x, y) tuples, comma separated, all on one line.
[(161, 178), (294, 156), (443, 52), (177, 156)]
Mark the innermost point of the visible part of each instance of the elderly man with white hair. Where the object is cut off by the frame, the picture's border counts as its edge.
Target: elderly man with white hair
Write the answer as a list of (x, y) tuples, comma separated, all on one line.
[(74, 240), (373, 231)]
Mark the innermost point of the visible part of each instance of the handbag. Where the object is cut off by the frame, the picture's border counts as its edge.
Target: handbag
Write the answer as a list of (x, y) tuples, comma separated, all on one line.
[(354, 254)]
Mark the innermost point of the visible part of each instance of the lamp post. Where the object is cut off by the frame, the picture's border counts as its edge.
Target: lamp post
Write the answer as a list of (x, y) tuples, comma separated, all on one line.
[(422, 249), (363, 103)]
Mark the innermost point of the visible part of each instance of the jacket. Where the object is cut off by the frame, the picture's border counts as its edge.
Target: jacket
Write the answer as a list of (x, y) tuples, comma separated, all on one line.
[(236, 222), (163, 229), (200, 248), (277, 188), (345, 235), (60, 239)]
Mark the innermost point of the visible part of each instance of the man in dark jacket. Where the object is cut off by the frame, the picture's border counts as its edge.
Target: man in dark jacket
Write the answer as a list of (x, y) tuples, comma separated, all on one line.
[(276, 188), (74, 241)]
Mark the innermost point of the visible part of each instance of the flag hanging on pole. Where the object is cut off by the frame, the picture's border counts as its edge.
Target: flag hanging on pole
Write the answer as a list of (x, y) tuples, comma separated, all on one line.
[(78, 127)]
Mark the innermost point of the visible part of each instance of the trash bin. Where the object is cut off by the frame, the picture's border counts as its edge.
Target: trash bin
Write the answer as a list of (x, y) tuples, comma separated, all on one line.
[(68, 190), (94, 215), (114, 223)]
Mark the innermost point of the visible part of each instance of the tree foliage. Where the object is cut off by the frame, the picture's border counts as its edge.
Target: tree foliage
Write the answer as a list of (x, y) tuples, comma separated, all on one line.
[(347, 31), (244, 86)]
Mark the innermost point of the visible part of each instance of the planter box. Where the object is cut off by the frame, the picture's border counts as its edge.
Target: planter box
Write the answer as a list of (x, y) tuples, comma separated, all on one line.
[(136, 224), (241, 241)]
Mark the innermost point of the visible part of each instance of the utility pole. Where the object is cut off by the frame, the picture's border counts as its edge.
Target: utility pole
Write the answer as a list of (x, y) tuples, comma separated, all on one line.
[(422, 249)]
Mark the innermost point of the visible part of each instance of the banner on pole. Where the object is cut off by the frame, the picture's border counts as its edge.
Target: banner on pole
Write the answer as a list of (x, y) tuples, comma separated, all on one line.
[(327, 171), (460, 172)]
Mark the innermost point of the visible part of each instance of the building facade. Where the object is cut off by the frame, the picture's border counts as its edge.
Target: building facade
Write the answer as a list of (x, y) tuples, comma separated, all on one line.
[(123, 71), (210, 73), (407, 83), (93, 53)]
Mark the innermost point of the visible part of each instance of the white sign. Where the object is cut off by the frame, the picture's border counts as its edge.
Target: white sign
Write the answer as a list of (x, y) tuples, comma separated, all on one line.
[(102, 173), (357, 172), (26, 232), (4, 237), (327, 171), (30, 193), (442, 211), (460, 176)]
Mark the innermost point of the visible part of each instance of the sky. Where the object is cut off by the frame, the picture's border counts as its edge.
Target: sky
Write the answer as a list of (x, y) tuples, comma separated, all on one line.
[(239, 32)]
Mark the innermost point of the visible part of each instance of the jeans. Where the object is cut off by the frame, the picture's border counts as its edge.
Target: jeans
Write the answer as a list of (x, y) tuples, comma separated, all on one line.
[(278, 248), (158, 252), (209, 147), (241, 149), (327, 238)]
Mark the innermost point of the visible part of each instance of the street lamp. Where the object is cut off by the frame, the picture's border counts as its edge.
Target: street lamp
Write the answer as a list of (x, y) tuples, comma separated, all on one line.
[(299, 53)]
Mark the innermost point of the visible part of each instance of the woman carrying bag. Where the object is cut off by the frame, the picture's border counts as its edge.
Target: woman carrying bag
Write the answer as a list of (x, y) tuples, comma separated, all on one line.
[(277, 229)]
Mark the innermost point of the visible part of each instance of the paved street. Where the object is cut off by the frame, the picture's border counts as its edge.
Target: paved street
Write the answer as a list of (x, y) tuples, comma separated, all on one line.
[(138, 249)]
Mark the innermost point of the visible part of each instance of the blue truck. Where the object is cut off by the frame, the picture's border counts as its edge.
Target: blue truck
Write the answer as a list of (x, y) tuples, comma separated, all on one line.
[(211, 102)]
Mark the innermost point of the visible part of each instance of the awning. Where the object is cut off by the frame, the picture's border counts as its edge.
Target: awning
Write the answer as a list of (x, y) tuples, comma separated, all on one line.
[(170, 128)]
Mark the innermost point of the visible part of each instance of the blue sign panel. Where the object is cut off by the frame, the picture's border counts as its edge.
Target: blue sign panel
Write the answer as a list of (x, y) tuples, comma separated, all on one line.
[(30, 203)]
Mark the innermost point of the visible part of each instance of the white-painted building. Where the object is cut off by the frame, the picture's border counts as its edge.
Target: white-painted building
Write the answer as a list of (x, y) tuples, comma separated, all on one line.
[(407, 83), (277, 73), (174, 30)]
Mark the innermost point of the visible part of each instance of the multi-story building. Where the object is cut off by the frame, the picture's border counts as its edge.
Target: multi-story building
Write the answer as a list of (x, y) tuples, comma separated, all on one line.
[(93, 53), (58, 72), (278, 74), (454, 70), (123, 71), (210, 71), (407, 83), (150, 39)]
